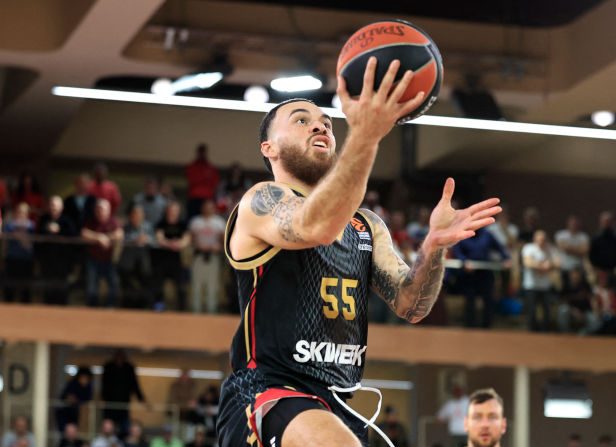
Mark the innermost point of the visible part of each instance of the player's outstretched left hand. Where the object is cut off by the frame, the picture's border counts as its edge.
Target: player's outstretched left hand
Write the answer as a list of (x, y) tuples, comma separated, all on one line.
[(449, 226)]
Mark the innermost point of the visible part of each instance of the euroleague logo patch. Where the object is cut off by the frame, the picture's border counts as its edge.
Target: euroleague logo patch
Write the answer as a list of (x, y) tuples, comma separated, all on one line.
[(361, 229)]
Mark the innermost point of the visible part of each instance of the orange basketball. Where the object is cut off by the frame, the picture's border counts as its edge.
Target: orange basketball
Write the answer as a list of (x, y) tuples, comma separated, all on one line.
[(389, 40)]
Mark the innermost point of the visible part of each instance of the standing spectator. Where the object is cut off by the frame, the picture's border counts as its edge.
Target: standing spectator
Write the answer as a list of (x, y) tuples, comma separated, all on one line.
[(182, 392), (418, 229), (393, 428), (506, 233), (576, 307), (478, 282), (103, 231), (152, 202), (399, 235), (605, 303), (453, 413), (4, 195), (102, 188), (574, 245), (76, 392), (79, 206), (603, 246), (207, 232), (19, 253), (28, 191), (134, 267), (372, 201), (135, 437), (108, 436), (55, 257), (530, 224), (539, 262), (203, 178), (208, 408), (20, 432), (70, 436), (167, 439), (119, 384), (234, 182), (172, 237)]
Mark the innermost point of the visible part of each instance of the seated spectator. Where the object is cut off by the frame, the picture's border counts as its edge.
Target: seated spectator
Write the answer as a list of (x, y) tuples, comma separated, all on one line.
[(70, 437), (418, 229), (393, 428), (19, 435), (576, 307), (152, 202), (103, 232), (203, 179), (103, 188), (166, 440), (19, 263), (76, 392), (29, 192), (134, 266), (207, 232), (574, 245), (605, 303), (208, 407), (539, 261), (135, 437), (107, 437), (201, 439), (55, 257), (172, 237)]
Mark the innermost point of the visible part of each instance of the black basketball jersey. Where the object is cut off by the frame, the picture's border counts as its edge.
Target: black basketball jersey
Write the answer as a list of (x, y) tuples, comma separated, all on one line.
[(305, 312)]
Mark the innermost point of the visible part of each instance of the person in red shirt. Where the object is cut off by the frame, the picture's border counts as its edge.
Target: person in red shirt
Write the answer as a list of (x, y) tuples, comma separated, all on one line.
[(103, 231), (102, 188), (29, 192), (203, 179)]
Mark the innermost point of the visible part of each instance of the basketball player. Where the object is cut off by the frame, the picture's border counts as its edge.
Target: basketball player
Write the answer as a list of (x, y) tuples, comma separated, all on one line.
[(305, 257), (484, 422)]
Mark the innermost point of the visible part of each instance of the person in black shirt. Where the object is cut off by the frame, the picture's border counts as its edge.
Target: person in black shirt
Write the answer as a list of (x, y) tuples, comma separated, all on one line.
[(172, 237), (76, 392), (70, 437)]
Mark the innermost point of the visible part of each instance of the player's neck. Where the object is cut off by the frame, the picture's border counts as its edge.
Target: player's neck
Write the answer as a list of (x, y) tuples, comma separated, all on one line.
[(293, 182), (470, 444)]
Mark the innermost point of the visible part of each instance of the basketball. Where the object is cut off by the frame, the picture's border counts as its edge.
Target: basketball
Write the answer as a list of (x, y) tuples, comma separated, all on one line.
[(389, 40)]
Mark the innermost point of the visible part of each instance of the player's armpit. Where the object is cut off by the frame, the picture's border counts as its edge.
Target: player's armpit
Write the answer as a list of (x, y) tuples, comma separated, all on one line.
[(409, 291)]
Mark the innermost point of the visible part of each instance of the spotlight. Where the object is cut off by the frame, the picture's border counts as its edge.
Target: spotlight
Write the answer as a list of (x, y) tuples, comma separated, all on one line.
[(336, 103), (602, 118), (162, 86), (567, 399), (296, 83), (256, 94)]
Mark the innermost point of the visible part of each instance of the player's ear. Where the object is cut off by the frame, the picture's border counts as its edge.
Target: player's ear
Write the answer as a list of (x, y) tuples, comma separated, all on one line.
[(268, 150), (504, 428)]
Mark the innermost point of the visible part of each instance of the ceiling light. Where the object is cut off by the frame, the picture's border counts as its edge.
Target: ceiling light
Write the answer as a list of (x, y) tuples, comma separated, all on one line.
[(198, 81), (296, 84), (256, 93), (602, 118), (162, 86), (567, 399), (429, 120), (336, 103)]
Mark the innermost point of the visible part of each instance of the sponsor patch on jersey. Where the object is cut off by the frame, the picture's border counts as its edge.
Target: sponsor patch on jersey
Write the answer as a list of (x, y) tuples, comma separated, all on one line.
[(358, 224), (365, 247), (364, 235), (328, 352)]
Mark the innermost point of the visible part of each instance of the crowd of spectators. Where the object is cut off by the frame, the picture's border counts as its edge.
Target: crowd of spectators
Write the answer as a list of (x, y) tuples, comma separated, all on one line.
[(154, 250)]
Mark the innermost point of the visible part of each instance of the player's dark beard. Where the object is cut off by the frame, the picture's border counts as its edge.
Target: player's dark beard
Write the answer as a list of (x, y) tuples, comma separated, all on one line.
[(477, 442), (306, 169)]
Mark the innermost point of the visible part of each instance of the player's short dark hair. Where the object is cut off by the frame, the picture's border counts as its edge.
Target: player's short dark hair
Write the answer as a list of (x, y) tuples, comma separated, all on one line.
[(484, 395), (267, 122)]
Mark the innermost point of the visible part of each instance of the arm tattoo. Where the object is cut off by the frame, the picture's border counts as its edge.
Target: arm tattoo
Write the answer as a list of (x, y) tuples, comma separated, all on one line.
[(424, 281), (272, 200)]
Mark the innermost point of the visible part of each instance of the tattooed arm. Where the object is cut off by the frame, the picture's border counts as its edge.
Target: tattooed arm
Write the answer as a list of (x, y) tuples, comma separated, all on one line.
[(412, 291)]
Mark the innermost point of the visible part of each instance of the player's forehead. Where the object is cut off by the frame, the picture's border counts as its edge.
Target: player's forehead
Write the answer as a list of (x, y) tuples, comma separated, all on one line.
[(298, 107), (487, 407)]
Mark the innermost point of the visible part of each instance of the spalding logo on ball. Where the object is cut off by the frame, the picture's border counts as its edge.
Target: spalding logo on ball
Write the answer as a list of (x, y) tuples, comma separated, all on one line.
[(389, 40)]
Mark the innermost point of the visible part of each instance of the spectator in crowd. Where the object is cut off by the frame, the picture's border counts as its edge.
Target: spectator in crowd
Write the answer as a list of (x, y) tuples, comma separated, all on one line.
[(530, 224), (476, 282), (201, 439), (399, 235), (172, 237), (604, 441), (574, 245), (108, 436), (182, 393), (28, 191), (485, 422), (576, 308), (19, 255), (453, 413), (20, 432), (119, 384), (103, 232), (55, 256), (506, 233), (79, 206), (103, 188), (76, 392), (152, 202), (4, 195), (603, 246), (418, 229), (605, 302), (393, 428), (207, 406), (207, 232), (234, 182), (203, 179), (134, 266), (539, 261), (575, 440), (372, 201), (70, 436), (135, 437), (167, 439)]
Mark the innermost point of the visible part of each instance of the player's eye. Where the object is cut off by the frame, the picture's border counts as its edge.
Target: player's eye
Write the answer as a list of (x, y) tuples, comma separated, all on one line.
[(302, 121), (328, 125)]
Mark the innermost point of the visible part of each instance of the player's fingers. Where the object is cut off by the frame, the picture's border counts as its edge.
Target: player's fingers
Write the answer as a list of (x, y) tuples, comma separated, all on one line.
[(412, 104), (388, 79), (368, 88), (342, 91), (401, 87), (476, 224), (486, 213), (483, 205), (448, 189)]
